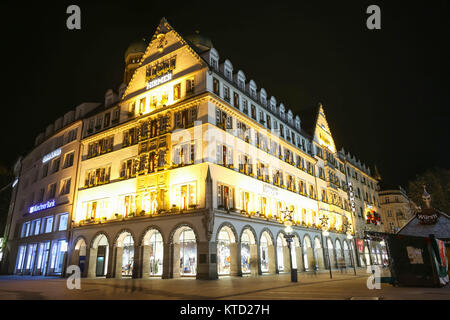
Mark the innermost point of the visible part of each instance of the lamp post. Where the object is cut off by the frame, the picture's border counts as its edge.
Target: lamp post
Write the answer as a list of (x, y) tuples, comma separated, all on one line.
[(288, 236), (325, 233)]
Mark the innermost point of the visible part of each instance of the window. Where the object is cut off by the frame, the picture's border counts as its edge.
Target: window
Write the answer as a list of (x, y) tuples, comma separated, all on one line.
[(216, 86), (236, 100), (130, 137), (100, 147), (48, 224), (127, 205), (116, 115), (68, 160), (190, 86), (45, 170), (253, 110), (35, 227), (63, 219), (55, 165), (128, 169), (389, 213), (25, 230), (186, 118), (52, 191), (224, 155), (225, 197), (96, 209), (106, 120), (71, 135), (226, 93), (183, 154), (245, 106), (214, 64), (65, 186), (177, 91), (245, 200), (185, 196), (269, 122), (245, 164), (98, 176)]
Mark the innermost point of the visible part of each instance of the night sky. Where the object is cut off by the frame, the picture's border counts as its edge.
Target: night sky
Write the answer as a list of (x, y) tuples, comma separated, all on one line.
[(385, 92)]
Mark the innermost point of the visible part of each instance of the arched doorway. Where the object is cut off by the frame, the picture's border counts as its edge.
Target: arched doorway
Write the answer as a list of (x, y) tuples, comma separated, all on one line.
[(308, 254), (184, 252), (98, 257), (319, 253), (226, 252), (339, 255), (267, 253), (153, 253), (249, 253), (124, 255), (79, 254), (331, 254)]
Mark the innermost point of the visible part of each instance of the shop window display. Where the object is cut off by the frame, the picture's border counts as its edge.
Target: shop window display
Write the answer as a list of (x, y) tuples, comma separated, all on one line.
[(264, 255), (223, 253), (127, 256), (245, 253), (188, 253), (156, 254), (280, 252)]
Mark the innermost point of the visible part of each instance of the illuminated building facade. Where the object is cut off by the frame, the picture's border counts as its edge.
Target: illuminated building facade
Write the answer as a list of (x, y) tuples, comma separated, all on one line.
[(189, 171), (396, 209), (43, 196)]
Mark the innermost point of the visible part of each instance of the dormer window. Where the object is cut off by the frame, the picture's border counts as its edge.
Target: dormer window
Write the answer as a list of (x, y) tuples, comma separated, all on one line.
[(228, 74), (241, 84)]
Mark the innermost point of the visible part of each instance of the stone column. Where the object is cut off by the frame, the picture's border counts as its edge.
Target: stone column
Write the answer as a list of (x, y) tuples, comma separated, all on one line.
[(286, 261), (137, 262), (91, 263), (272, 257), (168, 261), (176, 261), (117, 262), (255, 263), (235, 259), (207, 260), (146, 262)]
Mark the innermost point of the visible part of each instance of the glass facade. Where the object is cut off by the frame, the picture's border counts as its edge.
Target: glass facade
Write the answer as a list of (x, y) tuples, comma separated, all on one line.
[(188, 253), (128, 256), (156, 254), (245, 253), (223, 253)]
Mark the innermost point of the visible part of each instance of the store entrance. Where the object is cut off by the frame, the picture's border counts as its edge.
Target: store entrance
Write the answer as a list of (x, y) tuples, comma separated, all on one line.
[(188, 253)]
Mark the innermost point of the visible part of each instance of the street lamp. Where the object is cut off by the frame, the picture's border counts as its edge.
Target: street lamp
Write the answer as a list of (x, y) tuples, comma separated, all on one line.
[(325, 233), (288, 236)]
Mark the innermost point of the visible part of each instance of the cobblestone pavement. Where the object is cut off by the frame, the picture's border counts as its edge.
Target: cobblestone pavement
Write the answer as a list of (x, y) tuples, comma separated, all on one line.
[(310, 286)]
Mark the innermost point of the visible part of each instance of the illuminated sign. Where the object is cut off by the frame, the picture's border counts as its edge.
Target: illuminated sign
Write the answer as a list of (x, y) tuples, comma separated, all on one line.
[(162, 79), (352, 196), (51, 155), (42, 206)]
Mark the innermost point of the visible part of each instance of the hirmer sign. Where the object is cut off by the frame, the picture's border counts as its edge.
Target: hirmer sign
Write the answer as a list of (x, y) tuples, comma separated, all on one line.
[(162, 79)]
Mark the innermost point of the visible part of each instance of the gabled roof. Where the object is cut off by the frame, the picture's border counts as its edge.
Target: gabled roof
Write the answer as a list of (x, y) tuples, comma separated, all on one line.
[(441, 229)]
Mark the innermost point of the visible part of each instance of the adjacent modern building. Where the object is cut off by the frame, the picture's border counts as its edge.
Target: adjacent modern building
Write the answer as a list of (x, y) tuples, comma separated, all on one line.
[(43, 197), (190, 169)]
